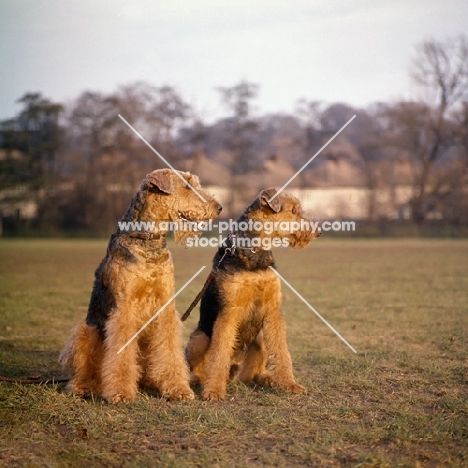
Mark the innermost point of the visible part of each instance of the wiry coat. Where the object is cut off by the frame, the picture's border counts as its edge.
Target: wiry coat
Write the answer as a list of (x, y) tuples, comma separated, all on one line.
[(132, 283), (241, 329)]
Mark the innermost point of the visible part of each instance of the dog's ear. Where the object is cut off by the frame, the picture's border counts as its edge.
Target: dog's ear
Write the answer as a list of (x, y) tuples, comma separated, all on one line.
[(161, 180), (265, 199)]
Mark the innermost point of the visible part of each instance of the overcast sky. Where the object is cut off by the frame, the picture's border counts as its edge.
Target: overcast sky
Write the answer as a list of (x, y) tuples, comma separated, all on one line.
[(350, 51)]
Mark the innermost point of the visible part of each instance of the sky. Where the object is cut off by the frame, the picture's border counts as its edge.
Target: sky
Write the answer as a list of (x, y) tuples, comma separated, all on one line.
[(358, 52)]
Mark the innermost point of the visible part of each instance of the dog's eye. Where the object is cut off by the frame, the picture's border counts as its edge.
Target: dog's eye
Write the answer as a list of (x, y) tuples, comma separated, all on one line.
[(187, 186), (293, 210)]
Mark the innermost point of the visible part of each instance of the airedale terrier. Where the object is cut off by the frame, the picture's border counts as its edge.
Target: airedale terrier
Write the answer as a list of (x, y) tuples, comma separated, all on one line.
[(241, 333), (134, 280)]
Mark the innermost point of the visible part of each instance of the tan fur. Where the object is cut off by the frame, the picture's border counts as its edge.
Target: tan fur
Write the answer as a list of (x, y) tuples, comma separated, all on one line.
[(134, 280), (248, 338), (83, 353)]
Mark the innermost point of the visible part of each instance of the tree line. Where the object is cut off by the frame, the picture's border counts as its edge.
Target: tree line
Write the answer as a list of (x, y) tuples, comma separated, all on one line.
[(79, 164)]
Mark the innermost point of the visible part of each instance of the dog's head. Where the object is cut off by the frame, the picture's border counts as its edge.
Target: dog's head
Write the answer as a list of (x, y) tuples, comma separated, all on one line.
[(281, 217), (177, 198)]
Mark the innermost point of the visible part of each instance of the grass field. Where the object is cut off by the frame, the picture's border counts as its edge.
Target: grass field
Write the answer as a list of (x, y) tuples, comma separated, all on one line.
[(401, 401)]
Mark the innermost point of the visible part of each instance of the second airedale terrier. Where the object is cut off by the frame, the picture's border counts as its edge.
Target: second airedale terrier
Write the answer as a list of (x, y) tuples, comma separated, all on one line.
[(134, 280), (241, 333)]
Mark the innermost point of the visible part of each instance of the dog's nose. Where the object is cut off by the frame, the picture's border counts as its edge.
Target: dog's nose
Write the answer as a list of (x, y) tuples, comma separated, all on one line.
[(219, 208)]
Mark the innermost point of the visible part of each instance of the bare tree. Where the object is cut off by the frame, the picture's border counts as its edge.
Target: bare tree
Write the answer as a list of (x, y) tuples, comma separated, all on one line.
[(158, 112), (442, 68), (309, 113), (425, 130), (238, 99), (107, 158), (242, 128)]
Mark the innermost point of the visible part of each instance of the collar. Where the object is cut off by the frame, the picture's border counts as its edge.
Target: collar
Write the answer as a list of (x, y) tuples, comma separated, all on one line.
[(234, 244), (144, 235)]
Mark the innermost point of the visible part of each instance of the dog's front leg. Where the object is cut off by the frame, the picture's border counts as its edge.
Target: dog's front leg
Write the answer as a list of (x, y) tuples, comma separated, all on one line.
[(120, 370), (280, 363), (167, 369), (220, 355)]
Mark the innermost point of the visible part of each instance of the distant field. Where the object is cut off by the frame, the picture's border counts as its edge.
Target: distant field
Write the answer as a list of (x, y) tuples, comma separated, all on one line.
[(401, 401)]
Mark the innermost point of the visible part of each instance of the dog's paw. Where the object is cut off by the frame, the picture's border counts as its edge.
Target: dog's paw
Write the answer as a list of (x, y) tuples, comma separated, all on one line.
[(180, 393), (292, 387), (78, 391), (119, 398), (213, 394), (83, 390), (266, 379)]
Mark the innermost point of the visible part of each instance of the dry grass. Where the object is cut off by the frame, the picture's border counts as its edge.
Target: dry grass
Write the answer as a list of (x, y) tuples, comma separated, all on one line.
[(402, 401)]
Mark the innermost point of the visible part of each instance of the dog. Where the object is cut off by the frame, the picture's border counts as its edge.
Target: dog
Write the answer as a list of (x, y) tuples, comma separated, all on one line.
[(241, 332), (133, 282)]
